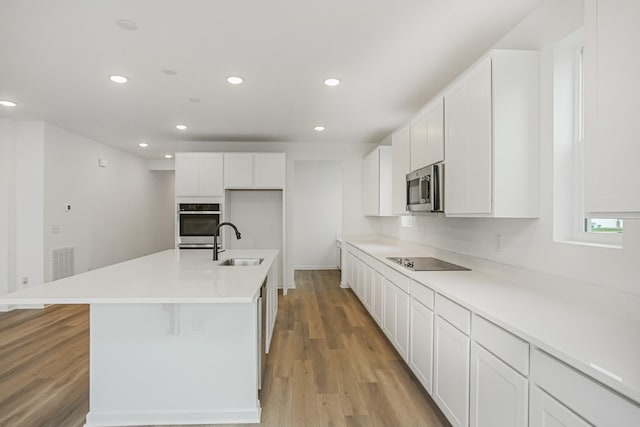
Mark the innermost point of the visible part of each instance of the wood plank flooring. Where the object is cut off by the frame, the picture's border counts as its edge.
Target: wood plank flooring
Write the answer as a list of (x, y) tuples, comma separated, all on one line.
[(329, 365)]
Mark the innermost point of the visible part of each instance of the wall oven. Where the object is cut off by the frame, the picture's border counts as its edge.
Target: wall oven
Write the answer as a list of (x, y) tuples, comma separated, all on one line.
[(425, 189), (197, 222)]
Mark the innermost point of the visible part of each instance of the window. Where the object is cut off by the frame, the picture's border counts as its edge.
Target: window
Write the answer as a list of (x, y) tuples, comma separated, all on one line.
[(602, 230), (571, 222)]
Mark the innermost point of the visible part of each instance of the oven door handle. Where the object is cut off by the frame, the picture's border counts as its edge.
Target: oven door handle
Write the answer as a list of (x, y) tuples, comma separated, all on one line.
[(199, 212)]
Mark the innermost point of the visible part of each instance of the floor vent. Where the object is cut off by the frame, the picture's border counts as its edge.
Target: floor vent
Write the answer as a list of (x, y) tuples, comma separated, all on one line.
[(62, 263)]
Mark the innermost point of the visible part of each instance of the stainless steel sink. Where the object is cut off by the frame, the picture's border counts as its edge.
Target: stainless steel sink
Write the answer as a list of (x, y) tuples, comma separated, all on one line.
[(237, 262)]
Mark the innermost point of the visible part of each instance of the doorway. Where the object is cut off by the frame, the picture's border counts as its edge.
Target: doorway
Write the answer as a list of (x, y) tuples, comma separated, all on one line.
[(317, 214)]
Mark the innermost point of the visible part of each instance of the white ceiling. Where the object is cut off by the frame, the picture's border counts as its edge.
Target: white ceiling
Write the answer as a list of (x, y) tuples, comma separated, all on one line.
[(392, 56)]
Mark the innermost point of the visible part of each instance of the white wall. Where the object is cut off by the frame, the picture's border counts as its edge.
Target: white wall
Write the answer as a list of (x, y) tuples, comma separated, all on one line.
[(351, 155), (529, 243), (317, 200), (6, 176), (21, 202), (118, 212)]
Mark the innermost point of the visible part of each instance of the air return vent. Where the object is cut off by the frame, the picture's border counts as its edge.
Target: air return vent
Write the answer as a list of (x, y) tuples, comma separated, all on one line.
[(62, 263)]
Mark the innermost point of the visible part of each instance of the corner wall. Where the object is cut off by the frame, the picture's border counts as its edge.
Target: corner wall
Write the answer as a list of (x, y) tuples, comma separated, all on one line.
[(118, 212), (529, 243)]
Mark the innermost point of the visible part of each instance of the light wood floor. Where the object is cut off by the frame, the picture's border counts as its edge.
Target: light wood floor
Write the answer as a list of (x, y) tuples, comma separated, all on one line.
[(329, 365)]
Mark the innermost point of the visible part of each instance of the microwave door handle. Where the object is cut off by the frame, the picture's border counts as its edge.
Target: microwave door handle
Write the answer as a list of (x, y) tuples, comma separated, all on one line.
[(436, 189)]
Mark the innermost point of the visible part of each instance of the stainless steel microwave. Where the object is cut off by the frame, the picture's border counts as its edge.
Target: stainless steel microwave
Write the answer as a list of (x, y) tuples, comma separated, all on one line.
[(425, 189)]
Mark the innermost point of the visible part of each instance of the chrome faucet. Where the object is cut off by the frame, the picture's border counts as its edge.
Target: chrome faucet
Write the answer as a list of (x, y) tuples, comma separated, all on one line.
[(215, 238)]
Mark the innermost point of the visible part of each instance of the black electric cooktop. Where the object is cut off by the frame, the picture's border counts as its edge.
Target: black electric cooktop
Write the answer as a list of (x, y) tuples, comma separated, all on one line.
[(427, 264)]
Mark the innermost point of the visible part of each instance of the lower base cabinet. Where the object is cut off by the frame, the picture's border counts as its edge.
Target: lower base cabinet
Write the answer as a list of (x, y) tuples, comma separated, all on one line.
[(548, 412), (451, 376), (499, 394), (396, 317), (377, 288), (421, 343)]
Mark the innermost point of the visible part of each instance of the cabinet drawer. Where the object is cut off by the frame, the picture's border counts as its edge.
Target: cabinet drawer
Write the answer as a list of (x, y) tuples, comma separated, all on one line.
[(397, 279), (453, 313), (506, 346), (377, 266), (422, 294), (592, 401)]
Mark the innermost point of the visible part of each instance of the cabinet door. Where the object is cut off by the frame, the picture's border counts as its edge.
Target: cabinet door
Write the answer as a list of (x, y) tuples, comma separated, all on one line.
[(402, 323), (548, 412), (187, 178), (371, 183), (418, 156), (401, 166), (378, 295), (367, 291), (435, 132), (611, 85), (421, 343), (451, 376), (211, 175), (269, 170), (238, 170), (389, 310), (348, 269), (468, 140), (499, 394)]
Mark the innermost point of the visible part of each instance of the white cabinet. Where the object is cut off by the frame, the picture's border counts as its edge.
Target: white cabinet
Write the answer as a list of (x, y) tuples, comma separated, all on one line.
[(491, 138), (401, 166), (254, 170), (548, 412), (378, 295), (591, 401), (396, 317), (198, 174), (421, 343), (499, 394), (427, 135), (269, 170), (451, 372), (611, 89), (377, 182)]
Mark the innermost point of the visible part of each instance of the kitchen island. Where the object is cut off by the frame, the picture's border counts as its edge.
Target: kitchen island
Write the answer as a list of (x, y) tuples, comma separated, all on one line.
[(175, 338)]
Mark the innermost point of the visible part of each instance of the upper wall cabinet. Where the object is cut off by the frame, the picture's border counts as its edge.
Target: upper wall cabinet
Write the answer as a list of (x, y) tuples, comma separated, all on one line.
[(491, 137), (377, 182), (401, 166), (427, 135), (199, 174), (611, 91), (254, 171)]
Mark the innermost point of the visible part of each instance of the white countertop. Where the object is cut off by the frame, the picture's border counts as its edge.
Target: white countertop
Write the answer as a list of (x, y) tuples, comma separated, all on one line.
[(593, 331), (172, 276)]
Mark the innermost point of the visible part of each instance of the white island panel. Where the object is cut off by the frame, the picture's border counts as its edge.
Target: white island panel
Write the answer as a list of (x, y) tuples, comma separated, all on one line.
[(173, 363)]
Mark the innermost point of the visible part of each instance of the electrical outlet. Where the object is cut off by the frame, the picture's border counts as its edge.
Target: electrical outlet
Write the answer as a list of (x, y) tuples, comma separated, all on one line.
[(55, 229), (24, 280)]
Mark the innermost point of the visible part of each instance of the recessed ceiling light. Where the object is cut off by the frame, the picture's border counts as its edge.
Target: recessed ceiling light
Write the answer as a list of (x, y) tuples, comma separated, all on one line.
[(7, 103), (119, 79), (126, 24), (168, 156), (234, 80), (143, 145), (181, 127), (332, 82), (319, 128)]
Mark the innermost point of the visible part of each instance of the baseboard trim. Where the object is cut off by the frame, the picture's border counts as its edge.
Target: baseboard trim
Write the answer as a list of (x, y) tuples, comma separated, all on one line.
[(317, 267), (11, 307), (159, 418)]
